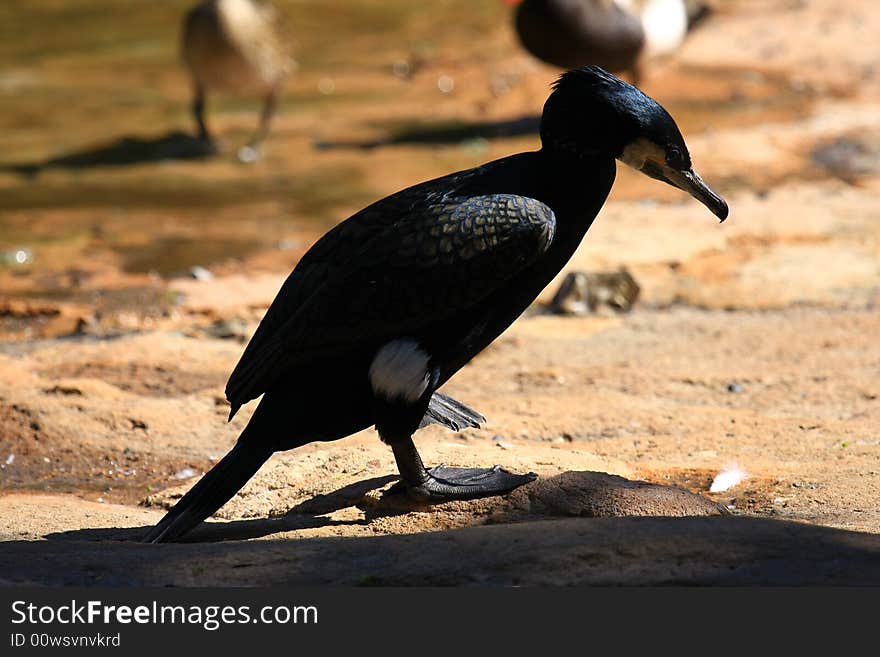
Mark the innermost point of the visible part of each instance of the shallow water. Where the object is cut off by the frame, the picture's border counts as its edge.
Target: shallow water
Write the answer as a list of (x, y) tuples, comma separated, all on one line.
[(98, 170)]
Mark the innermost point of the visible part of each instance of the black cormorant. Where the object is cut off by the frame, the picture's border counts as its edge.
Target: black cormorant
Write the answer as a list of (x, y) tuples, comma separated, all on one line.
[(390, 303)]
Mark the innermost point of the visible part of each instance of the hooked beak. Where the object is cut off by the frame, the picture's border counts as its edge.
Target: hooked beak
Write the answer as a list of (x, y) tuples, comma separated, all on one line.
[(690, 182)]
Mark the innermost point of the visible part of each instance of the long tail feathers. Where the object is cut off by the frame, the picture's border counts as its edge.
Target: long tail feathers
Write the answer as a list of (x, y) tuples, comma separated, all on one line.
[(451, 413), (225, 479), (211, 492)]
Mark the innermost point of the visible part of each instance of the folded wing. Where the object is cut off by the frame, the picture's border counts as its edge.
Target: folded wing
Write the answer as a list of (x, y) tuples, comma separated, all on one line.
[(387, 272)]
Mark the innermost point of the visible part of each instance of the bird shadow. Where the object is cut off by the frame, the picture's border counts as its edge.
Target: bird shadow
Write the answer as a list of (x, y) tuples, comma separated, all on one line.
[(124, 151), (719, 550), (445, 133), (308, 514)]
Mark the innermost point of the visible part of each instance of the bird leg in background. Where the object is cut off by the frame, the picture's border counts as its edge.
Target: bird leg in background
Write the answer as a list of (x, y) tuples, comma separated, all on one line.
[(251, 151), (198, 108), (444, 483)]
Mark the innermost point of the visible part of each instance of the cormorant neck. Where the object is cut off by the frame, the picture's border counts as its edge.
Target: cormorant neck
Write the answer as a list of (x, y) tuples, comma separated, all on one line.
[(575, 183), (568, 162)]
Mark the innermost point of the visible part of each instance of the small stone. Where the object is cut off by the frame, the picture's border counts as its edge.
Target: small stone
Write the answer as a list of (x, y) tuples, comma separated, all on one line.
[(186, 473), (200, 273), (17, 257), (582, 293), (230, 328), (248, 154), (326, 86), (445, 84), (401, 69)]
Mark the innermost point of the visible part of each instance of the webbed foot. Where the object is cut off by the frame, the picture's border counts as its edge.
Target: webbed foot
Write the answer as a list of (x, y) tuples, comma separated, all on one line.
[(445, 483)]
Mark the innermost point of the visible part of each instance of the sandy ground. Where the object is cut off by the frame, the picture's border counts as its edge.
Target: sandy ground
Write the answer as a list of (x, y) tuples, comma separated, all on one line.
[(753, 343)]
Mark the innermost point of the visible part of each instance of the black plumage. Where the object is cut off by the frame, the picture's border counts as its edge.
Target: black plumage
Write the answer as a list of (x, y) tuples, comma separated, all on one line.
[(408, 264), (390, 303)]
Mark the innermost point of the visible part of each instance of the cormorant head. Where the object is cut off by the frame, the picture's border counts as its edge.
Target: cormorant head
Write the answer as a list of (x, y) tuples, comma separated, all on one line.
[(593, 113)]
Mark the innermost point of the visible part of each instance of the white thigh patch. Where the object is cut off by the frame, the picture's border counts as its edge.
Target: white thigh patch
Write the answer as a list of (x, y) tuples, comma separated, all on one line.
[(400, 370)]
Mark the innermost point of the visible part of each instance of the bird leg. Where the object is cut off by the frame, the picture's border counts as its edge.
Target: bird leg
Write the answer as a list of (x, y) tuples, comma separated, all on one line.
[(444, 483), (198, 109), (251, 152)]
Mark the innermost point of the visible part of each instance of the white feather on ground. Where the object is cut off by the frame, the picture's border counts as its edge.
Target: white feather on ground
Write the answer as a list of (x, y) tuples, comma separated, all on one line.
[(729, 477)]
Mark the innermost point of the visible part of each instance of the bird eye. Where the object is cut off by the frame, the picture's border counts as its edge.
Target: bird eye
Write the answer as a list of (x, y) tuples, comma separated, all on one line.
[(675, 158)]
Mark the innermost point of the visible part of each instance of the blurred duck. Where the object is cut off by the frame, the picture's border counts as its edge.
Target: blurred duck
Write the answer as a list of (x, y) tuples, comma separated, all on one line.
[(236, 46), (615, 34)]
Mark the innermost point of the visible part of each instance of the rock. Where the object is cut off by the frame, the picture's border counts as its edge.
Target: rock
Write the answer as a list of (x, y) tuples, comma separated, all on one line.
[(445, 84), (185, 473), (850, 157), (16, 257), (230, 328), (601, 495), (582, 293), (200, 273), (248, 154)]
